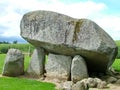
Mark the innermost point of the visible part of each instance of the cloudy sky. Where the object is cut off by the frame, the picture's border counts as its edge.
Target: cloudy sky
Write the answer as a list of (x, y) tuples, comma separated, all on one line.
[(106, 13)]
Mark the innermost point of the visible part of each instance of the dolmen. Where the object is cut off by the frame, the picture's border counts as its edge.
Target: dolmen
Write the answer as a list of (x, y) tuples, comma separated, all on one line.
[(75, 47)]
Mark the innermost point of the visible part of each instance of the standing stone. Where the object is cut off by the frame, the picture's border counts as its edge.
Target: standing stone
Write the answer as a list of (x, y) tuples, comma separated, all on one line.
[(58, 66), (78, 69), (14, 63), (58, 33), (36, 66)]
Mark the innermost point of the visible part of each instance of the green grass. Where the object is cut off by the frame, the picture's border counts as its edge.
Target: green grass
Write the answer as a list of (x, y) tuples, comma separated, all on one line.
[(116, 65), (118, 44), (2, 58), (26, 62), (8, 83)]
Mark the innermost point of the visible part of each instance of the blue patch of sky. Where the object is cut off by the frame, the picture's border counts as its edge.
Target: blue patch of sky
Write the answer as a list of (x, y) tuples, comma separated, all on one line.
[(3, 28), (112, 5), (71, 1), (1, 32), (21, 11), (2, 8)]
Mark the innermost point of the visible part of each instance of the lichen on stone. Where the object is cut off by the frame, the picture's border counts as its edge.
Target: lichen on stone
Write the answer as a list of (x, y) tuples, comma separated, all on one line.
[(78, 25)]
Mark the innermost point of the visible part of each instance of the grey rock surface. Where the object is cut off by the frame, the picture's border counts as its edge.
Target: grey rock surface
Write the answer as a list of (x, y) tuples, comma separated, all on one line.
[(36, 67), (58, 66), (118, 82), (58, 33), (14, 63), (78, 69), (67, 85), (101, 85), (111, 79), (79, 86), (94, 83)]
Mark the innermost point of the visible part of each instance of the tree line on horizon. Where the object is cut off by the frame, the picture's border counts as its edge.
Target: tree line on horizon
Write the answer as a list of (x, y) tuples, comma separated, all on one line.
[(6, 42)]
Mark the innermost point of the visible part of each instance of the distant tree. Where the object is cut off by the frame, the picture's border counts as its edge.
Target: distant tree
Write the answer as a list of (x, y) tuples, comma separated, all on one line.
[(4, 42), (15, 42)]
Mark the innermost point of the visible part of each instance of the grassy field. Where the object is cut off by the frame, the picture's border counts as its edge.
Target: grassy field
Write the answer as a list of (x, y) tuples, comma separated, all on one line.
[(118, 44), (26, 62), (9, 83), (2, 57), (116, 65), (23, 47)]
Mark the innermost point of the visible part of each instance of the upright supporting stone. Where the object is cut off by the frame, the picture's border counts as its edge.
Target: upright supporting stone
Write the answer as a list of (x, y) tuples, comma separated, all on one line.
[(14, 63), (78, 69), (58, 67), (36, 66)]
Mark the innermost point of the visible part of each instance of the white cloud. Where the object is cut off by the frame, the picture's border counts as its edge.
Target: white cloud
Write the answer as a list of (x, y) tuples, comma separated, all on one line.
[(14, 10), (110, 24)]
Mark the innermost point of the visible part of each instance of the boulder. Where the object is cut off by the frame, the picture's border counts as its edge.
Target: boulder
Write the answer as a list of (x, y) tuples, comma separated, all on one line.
[(78, 69), (111, 79), (67, 85), (14, 63), (102, 85), (36, 66), (61, 34), (80, 86), (118, 82), (58, 66), (94, 83)]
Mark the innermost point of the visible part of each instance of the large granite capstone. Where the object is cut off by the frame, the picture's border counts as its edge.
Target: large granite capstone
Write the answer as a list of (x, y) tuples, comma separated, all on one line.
[(61, 34)]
